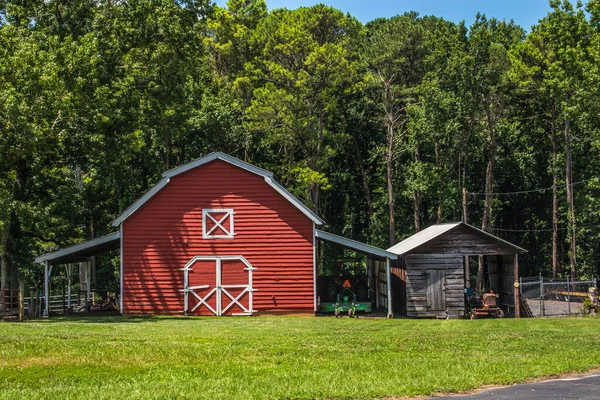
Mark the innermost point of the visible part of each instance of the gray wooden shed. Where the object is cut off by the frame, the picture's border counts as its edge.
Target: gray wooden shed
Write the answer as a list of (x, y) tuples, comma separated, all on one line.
[(429, 278)]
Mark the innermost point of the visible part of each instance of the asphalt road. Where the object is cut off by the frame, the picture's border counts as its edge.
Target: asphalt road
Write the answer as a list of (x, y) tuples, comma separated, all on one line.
[(578, 387)]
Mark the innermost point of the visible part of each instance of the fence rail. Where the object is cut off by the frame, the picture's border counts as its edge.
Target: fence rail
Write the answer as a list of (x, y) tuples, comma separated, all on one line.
[(545, 297)]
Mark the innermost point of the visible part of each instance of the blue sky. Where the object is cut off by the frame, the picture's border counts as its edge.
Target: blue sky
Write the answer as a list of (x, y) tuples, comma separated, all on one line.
[(524, 12)]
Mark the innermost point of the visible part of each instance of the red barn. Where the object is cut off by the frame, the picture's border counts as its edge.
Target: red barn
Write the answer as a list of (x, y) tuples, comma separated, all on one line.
[(216, 236)]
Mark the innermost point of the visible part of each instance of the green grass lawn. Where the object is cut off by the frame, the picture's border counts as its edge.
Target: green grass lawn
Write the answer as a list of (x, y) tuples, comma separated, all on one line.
[(283, 357)]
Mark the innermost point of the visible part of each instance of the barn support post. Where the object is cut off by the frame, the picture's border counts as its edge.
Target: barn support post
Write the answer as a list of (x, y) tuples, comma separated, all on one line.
[(88, 279), (69, 277), (516, 286), (388, 277), (46, 289), (21, 303)]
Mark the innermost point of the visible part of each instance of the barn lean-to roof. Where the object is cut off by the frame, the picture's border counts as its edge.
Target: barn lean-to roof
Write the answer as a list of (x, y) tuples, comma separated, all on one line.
[(268, 177), (435, 231)]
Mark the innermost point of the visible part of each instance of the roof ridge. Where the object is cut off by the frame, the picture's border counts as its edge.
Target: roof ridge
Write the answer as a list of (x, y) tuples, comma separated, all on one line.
[(267, 175)]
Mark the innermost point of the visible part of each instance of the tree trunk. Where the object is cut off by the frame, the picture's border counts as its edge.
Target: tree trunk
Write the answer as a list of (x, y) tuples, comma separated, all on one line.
[(365, 179), (492, 149), (390, 186), (391, 123), (570, 199), (417, 201), (3, 265), (554, 200), (440, 211)]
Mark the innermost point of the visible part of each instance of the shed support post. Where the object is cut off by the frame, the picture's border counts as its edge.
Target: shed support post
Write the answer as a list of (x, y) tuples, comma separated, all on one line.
[(46, 289), (389, 288), (467, 273), (516, 286)]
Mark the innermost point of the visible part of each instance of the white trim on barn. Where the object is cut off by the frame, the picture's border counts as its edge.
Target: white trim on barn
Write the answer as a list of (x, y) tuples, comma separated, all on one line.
[(211, 157), (219, 289), (140, 202), (229, 233), (268, 176)]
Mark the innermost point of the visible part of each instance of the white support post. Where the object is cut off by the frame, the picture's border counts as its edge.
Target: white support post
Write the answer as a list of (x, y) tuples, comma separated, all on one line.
[(46, 290), (185, 290), (389, 288), (219, 285), (250, 299), (88, 295), (69, 277)]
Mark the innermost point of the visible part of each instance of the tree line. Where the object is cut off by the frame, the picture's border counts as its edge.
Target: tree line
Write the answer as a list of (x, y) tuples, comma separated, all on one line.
[(378, 127)]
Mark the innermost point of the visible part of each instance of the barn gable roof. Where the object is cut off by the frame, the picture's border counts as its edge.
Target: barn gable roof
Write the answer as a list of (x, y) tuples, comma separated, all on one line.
[(436, 231), (268, 176)]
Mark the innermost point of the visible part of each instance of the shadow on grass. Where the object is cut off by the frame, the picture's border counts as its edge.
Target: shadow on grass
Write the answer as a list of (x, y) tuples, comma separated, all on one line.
[(112, 318)]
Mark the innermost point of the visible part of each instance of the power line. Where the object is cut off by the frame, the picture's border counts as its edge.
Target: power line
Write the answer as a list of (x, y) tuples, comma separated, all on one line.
[(542, 229), (527, 191)]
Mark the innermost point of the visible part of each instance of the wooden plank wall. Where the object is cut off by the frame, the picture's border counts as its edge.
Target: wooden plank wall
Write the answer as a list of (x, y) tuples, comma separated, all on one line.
[(417, 266), (464, 240), (398, 276)]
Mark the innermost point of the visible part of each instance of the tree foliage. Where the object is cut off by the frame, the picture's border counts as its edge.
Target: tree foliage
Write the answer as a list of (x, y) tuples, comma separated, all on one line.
[(377, 127)]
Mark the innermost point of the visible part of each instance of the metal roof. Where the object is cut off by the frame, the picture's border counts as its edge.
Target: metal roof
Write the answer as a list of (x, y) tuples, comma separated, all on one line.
[(268, 176), (353, 244), (434, 231), (81, 251)]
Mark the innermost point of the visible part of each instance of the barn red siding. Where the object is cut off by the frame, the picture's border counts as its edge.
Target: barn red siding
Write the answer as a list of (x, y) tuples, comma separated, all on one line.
[(166, 232)]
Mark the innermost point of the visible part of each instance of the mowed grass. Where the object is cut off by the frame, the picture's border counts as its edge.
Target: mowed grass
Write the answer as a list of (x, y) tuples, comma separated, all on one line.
[(283, 357)]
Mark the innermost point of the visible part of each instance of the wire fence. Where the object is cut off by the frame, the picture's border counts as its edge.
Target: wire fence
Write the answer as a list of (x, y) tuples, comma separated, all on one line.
[(543, 297)]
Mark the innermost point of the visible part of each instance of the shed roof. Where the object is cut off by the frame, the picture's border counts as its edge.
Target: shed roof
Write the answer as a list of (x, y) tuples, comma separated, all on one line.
[(436, 231), (81, 251), (268, 176), (353, 244)]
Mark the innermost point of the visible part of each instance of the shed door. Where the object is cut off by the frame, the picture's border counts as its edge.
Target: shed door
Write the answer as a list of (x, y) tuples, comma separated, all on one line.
[(219, 285), (436, 289)]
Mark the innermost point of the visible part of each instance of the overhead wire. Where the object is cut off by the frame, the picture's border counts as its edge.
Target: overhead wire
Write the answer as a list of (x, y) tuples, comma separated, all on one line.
[(534, 191), (542, 229), (528, 191)]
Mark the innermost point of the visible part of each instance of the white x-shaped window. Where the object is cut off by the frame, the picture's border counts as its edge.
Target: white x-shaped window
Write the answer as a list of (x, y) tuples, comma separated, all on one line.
[(217, 223)]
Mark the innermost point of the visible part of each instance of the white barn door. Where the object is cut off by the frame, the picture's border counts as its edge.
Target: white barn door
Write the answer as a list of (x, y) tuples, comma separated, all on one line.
[(217, 285)]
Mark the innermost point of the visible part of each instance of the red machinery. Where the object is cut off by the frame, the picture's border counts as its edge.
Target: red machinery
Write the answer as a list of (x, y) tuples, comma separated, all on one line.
[(484, 306)]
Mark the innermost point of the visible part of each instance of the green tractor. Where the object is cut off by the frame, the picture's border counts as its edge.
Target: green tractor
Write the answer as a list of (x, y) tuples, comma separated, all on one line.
[(345, 304)]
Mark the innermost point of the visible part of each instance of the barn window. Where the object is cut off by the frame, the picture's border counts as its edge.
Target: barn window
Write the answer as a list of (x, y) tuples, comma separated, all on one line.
[(217, 224)]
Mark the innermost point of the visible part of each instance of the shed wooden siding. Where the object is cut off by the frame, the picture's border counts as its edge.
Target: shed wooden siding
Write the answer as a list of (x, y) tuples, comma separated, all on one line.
[(464, 240), (166, 232), (423, 299), (398, 277)]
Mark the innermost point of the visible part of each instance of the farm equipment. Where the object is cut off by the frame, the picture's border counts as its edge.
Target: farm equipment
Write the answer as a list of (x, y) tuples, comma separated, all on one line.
[(482, 306), (345, 303)]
